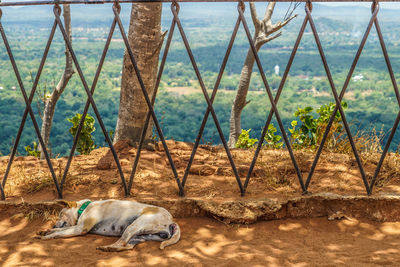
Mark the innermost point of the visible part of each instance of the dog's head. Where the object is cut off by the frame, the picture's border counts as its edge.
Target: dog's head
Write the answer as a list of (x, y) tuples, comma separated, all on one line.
[(69, 216)]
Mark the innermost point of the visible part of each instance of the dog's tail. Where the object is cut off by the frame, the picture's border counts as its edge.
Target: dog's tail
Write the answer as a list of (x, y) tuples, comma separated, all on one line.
[(176, 235)]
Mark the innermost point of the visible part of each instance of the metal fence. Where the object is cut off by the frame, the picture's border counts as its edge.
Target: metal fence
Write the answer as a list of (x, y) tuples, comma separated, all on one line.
[(127, 184)]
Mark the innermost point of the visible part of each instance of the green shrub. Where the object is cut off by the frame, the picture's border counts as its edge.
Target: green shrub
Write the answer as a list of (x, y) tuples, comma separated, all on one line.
[(271, 139), (304, 134), (310, 132), (85, 142), (33, 151), (244, 140)]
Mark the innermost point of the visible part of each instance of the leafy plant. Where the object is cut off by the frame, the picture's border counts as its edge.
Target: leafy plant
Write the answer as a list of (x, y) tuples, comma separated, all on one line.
[(244, 140), (33, 151), (111, 134), (85, 142), (311, 129), (271, 139)]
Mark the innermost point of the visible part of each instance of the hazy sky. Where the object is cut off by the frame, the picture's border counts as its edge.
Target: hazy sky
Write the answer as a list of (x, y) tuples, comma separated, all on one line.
[(382, 4)]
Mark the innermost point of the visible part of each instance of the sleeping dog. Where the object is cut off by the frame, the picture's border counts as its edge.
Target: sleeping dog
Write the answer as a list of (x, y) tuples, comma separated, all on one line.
[(134, 222)]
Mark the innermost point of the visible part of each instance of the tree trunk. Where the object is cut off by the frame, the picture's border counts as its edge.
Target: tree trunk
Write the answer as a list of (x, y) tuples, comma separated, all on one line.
[(240, 99), (263, 29), (51, 101), (145, 39)]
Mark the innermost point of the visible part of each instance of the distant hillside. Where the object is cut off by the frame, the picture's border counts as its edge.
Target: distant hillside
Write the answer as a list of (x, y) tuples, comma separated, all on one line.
[(208, 27)]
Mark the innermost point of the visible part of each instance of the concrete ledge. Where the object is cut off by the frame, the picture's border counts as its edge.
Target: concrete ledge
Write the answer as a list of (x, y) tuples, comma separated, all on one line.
[(383, 208)]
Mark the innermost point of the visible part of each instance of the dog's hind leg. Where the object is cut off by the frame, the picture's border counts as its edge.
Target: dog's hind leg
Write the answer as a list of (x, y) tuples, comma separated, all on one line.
[(135, 241), (144, 224)]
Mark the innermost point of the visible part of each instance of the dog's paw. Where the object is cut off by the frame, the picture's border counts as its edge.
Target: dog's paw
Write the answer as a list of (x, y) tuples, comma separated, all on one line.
[(44, 237), (115, 248), (107, 248), (42, 233)]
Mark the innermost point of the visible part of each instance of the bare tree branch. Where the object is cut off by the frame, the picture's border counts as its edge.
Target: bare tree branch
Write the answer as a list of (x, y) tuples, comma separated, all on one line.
[(254, 16), (269, 11), (264, 32), (280, 24), (51, 100), (263, 39), (289, 12)]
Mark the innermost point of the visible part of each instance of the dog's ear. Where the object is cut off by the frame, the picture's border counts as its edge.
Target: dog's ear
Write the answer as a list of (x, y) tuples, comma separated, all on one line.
[(176, 235), (69, 204)]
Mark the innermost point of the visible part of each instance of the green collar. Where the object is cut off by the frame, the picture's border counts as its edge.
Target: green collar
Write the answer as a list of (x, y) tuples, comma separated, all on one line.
[(83, 207)]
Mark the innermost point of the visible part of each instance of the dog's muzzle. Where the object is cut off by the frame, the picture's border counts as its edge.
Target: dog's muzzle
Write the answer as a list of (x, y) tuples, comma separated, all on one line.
[(172, 229)]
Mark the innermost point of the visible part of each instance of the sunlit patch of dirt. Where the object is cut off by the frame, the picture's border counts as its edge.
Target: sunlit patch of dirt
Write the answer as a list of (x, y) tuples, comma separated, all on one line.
[(206, 242)]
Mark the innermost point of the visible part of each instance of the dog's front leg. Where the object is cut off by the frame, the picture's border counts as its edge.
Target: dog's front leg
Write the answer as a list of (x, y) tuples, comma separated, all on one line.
[(52, 230), (75, 230), (82, 228)]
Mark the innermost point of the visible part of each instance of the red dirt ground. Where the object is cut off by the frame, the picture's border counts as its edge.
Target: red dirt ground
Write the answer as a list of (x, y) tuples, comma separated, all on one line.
[(204, 241)]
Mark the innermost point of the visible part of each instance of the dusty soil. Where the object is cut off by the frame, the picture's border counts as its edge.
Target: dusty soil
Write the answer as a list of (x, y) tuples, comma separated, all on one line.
[(206, 242), (353, 237), (211, 176)]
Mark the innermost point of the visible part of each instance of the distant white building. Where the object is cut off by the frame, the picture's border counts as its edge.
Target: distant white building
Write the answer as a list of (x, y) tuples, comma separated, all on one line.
[(1, 88), (358, 78), (276, 69)]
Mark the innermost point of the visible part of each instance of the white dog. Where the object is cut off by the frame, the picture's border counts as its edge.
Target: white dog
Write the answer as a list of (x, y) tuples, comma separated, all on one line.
[(134, 222)]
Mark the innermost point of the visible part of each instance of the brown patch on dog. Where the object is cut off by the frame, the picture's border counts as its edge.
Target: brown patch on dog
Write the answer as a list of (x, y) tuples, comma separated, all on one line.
[(150, 210), (72, 204), (69, 204), (88, 224)]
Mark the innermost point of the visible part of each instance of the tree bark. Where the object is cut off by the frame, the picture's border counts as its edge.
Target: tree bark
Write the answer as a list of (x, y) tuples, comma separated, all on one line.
[(240, 100), (263, 29), (145, 38), (51, 100)]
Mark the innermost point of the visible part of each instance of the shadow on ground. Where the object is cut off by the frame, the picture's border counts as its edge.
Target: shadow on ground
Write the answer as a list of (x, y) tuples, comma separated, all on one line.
[(204, 241)]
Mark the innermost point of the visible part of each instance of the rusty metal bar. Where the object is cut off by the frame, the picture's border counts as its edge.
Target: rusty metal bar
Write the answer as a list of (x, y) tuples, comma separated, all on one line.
[(80, 126), (344, 88), (35, 3), (271, 99), (277, 96), (153, 100), (85, 85), (214, 93), (148, 101), (210, 107), (28, 106), (337, 100)]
